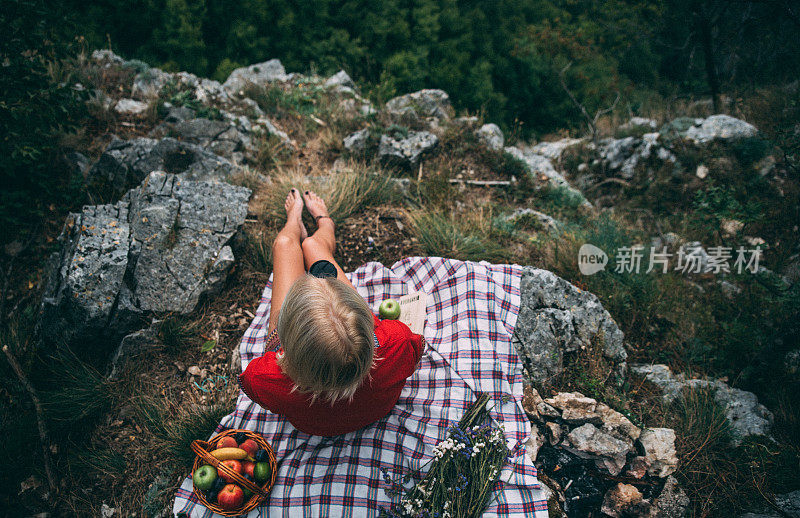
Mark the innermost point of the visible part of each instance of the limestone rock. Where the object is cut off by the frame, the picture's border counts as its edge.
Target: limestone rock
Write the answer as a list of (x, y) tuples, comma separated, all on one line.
[(425, 103), (545, 221), (542, 171), (639, 122), (621, 156), (553, 432), (535, 441), (556, 317), (608, 452), (491, 136), (130, 107), (126, 163), (672, 502), (356, 143), (578, 409), (160, 249), (408, 151), (554, 150), (720, 127), (340, 81), (258, 74), (658, 448), (745, 414), (619, 499), (147, 85)]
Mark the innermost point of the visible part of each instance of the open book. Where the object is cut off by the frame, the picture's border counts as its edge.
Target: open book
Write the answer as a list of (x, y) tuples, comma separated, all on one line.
[(413, 309)]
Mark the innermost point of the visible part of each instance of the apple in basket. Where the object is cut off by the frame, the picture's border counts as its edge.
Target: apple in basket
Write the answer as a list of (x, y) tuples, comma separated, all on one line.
[(235, 465), (227, 442), (250, 446), (389, 309), (248, 467), (204, 476), (231, 497)]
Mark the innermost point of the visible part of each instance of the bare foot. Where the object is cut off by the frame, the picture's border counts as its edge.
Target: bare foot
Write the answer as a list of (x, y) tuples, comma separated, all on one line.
[(316, 205), (294, 212)]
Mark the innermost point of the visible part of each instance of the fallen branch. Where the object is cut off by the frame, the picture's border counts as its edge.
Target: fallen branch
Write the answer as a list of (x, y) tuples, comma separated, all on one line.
[(39, 417), (485, 183), (609, 180)]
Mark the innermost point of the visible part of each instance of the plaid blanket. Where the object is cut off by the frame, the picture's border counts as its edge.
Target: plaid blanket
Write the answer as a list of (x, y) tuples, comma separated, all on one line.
[(471, 314)]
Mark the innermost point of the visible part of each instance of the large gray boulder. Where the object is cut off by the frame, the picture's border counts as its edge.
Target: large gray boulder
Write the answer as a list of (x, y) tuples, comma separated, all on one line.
[(745, 414), (356, 142), (556, 318), (408, 151), (491, 136), (722, 127), (158, 250), (125, 163), (259, 74), (541, 171), (425, 103)]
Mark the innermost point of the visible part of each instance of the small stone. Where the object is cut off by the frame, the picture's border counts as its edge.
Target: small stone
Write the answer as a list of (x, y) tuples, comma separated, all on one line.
[(553, 432), (619, 498), (701, 172), (730, 227), (672, 502), (491, 136), (194, 370), (755, 241), (658, 447), (637, 467), (107, 511), (356, 143), (608, 452), (535, 441), (130, 107)]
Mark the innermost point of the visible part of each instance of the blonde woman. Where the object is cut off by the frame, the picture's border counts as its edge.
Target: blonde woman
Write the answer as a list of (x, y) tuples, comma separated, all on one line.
[(330, 365)]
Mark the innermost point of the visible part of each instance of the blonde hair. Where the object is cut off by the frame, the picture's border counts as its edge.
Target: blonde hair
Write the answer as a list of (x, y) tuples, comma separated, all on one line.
[(326, 329)]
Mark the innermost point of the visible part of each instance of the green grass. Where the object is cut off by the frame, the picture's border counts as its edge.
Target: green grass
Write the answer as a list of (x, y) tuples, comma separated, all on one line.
[(457, 238), (346, 192)]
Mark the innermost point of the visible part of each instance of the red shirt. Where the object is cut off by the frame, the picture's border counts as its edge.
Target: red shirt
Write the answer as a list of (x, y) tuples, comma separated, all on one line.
[(396, 358)]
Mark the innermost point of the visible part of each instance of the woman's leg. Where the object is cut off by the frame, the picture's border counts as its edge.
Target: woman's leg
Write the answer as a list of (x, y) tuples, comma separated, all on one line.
[(322, 243), (287, 255)]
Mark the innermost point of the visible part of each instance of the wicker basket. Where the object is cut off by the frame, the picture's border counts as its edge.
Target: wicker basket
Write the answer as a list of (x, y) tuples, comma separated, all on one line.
[(260, 493)]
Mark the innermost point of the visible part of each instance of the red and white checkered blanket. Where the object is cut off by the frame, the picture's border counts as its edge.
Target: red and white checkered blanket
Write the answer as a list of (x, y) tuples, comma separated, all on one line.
[(471, 314)]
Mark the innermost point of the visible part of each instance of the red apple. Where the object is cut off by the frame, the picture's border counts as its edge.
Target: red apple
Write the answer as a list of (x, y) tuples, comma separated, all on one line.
[(250, 446), (248, 467), (235, 465), (227, 442), (230, 497)]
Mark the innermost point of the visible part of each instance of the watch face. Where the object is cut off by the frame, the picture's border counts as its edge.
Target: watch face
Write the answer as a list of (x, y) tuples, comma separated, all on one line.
[(322, 269)]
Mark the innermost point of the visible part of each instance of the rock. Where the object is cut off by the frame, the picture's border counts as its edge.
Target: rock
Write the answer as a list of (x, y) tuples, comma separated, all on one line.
[(541, 170), (107, 511), (745, 414), (534, 442), (424, 103), (160, 249), (789, 503), (553, 432), (621, 156), (579, 409), (639, 122), (356, 143), (791, 362), (491, 136), (637, 468), (222, 137), (77, 163), (406, 152), (554, 150), (658, 449), (619, 498), (672, 502), (236, 362), (340, 80), (701, 172), (106, 58), (730, 227), (194, 370), (179, 114), (125, 163), (147, 85), (133, 345), (542, 219), (258, 74), (130, 107), (720, 127), (556, 317), (608, 452)]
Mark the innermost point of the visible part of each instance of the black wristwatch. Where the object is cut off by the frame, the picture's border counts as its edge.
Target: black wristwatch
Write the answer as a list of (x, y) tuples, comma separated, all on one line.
[(323, 269)]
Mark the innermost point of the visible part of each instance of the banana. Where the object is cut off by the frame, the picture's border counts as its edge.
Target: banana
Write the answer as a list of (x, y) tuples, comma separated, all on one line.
[(229, 453)]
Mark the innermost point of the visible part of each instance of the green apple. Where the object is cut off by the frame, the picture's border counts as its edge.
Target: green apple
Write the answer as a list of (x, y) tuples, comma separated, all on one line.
[(204, 476), (389, 309), (262, 471)]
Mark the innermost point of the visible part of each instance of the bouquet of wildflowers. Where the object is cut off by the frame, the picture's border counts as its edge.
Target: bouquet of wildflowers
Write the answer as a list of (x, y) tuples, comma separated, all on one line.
[(463, 471)]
